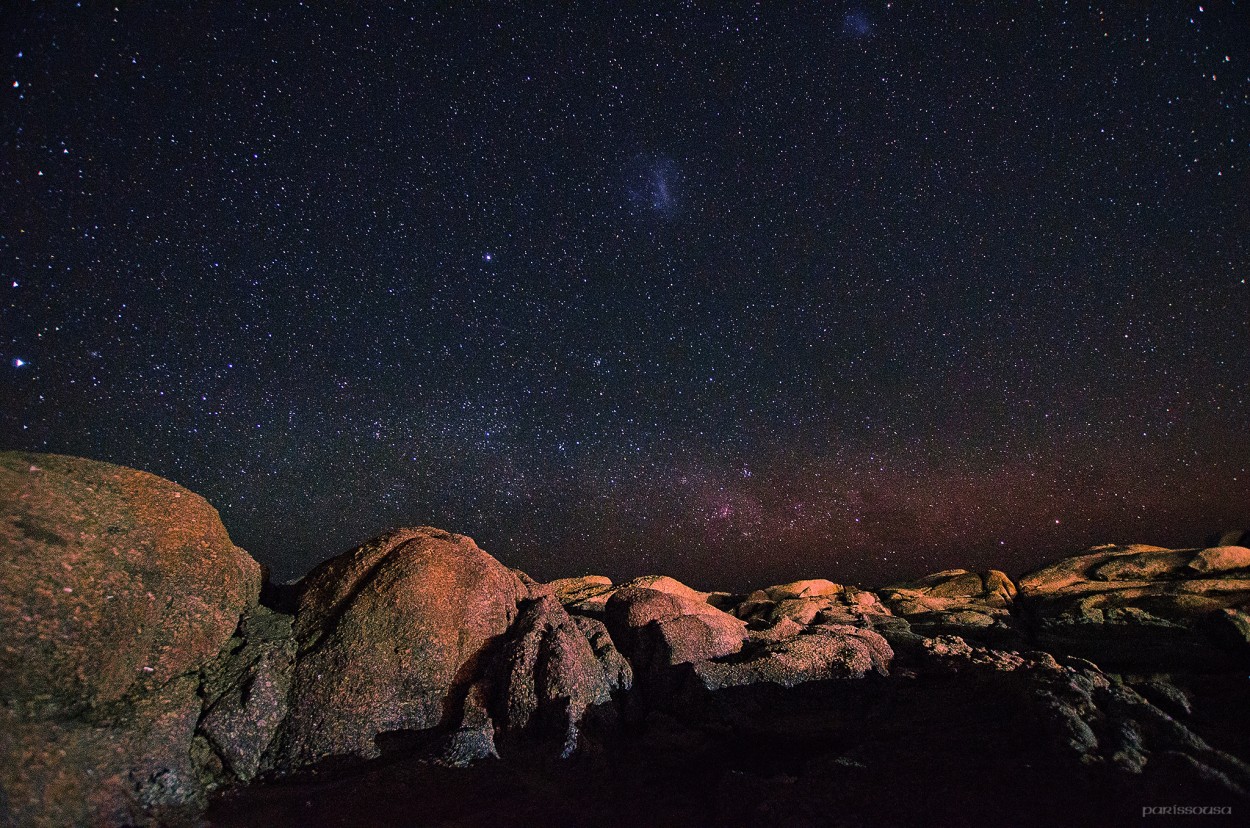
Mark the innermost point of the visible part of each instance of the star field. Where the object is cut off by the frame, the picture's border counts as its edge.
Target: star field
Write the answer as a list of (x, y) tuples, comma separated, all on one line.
[(738, 295)]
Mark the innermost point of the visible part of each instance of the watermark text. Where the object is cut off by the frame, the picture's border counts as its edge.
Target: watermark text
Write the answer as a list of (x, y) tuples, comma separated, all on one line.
[(1186, 810)]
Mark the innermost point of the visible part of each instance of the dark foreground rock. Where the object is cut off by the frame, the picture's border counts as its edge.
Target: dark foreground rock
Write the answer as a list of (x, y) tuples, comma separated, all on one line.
[(416, 680), (960, 736)]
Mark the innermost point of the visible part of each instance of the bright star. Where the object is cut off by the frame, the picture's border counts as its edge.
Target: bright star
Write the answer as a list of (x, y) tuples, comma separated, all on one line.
[(18, 362)]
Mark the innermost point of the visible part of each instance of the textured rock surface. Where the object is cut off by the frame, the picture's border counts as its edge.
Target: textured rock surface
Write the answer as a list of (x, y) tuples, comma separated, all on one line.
[(617, 672), (1097, 719), (138, 673), (820, 653), (116, 588), (474, 739), (391, 636), (1221, 559), (810, 588), (667, 585), (813, 601), (127, 764), (585, 595), (574, 590), (546, 676)]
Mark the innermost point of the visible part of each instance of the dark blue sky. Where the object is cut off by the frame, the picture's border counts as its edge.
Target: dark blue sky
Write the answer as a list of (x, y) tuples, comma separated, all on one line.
[(856, 291)]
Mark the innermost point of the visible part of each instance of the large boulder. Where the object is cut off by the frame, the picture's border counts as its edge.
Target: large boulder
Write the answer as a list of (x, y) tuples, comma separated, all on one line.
[(391, 638), (1141, 606), (1222, 560), (667, 585), (116, 589)]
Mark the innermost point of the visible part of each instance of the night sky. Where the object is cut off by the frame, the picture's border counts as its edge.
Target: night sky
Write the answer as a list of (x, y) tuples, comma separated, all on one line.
[(849, 291)]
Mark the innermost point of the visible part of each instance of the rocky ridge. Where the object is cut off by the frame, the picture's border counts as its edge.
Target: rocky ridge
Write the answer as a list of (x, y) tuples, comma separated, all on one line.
[(141, 673)]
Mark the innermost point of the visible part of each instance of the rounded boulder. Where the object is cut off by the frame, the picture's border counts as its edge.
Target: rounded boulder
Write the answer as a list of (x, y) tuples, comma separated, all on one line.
[(391, 637)]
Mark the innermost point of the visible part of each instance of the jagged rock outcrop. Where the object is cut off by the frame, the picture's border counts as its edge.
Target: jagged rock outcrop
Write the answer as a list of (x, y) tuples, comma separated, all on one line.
[(547, 675), (1095, 718), (391, 637), (573, 590), (618, 674), (116, 589), (586, 595), (1141, 606), (474, 739)]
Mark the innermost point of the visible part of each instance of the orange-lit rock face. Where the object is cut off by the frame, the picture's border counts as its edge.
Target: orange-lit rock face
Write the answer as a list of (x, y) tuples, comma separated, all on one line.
[(1221, 559), (1177, 585), (573, 590), (667, 585), (111, 580), (810, 588), (951, 589), (389, 634), (587, 594), (958, 602)]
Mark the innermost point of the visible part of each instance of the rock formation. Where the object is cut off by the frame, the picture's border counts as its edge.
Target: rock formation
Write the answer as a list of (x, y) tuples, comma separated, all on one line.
[(975, 605), (140, 673), (658, 629), (1143, 607)]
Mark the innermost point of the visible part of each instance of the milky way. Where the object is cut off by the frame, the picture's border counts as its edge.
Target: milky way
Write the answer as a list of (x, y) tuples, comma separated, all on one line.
[(738, 296)]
